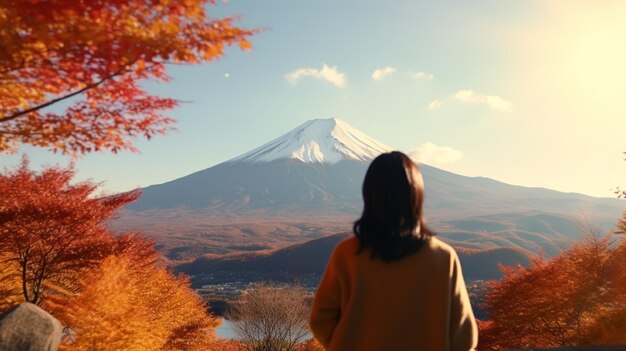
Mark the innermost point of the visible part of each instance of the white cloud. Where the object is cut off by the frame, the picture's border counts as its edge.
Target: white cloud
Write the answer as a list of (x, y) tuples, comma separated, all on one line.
[(493, 101), (382, 73), (329, 74), (435, 104), (432, 154), (421, 75)]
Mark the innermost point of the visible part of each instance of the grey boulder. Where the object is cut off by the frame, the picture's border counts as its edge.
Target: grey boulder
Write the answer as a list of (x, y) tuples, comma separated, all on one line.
[(27, 327)]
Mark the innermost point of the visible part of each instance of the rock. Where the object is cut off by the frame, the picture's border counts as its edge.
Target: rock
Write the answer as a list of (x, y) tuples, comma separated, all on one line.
[(27, 327)]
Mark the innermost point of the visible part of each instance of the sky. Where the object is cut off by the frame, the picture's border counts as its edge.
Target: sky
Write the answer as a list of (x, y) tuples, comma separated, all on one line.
[(530, 93)]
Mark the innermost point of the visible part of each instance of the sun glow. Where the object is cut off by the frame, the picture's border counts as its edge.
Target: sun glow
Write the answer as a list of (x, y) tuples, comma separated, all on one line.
[(599, 66)]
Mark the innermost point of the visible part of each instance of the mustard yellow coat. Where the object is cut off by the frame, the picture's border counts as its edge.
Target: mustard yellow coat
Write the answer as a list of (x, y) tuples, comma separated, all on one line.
[(417, 303)]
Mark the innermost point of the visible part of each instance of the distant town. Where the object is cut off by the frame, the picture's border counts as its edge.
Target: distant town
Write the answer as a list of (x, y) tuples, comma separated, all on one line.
[(220, 287)]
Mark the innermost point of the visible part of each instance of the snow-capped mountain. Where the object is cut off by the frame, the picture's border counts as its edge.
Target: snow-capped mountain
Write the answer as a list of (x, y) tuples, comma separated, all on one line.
[(318, 141), (315, 172)]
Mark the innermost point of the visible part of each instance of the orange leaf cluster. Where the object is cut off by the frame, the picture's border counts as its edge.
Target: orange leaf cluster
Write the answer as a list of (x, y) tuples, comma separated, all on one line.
[(124, 305), (91, 55), (576, 298)]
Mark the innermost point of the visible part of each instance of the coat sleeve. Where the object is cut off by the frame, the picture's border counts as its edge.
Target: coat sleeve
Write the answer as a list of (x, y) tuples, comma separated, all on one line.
[(463, 330), (326, 309)]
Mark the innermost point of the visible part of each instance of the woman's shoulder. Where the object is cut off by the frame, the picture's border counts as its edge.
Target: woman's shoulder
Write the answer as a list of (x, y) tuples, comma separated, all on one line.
[(438, 247), (344, 251), (433, 247), (348, 244), (431, 243)]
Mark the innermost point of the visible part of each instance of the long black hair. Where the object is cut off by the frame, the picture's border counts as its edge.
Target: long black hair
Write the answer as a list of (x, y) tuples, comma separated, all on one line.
[(392, 224)]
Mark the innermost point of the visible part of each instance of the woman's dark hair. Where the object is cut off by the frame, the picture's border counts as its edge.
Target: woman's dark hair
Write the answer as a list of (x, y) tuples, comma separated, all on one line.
[(392, 224)]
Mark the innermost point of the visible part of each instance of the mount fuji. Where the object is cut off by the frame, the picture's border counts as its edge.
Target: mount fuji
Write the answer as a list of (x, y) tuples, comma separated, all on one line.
[(317, 167), (306, 184)]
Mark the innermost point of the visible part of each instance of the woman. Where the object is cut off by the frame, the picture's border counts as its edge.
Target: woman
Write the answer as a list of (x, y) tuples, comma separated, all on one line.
[(393, 286)]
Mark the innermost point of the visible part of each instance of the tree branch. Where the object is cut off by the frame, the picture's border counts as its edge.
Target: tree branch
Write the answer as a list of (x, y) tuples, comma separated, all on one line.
[(64, 97)]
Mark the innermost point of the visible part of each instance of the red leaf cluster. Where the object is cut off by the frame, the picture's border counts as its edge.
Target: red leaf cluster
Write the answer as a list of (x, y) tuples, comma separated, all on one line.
[(51, 230)]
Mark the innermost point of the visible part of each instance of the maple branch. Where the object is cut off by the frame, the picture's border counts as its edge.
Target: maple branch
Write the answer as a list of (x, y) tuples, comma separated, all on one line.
[(72, 94), (38, 283), (24, 267)]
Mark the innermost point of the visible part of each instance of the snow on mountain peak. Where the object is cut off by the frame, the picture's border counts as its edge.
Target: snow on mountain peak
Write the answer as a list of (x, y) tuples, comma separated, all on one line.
[(318, 141)]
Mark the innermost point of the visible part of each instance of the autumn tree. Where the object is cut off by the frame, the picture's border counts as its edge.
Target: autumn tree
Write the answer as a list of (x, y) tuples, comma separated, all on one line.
[(110, 291), (568, 300), (51, 230), (87, 59), (268, 317)]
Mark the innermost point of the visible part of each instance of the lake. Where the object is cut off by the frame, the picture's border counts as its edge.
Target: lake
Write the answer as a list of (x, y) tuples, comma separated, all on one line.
[(225, 331)]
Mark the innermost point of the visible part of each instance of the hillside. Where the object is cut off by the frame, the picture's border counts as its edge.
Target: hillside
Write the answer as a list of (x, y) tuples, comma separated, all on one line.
[(311, 258)]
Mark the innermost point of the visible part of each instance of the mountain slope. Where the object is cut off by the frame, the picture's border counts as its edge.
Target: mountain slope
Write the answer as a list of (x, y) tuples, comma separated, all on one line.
[(281, 184)]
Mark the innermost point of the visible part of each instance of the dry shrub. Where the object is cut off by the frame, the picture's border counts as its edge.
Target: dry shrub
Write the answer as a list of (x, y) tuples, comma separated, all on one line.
[(269, 317)]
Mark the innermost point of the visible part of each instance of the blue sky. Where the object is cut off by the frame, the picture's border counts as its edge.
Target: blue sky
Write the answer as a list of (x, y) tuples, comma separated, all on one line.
[(527, 92)]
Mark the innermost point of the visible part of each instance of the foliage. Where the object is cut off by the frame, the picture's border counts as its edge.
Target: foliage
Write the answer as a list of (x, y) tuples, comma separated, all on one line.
[(92, 56), (104, 316), (125, 305), (576, 298), (268, 317), (10, 283), (50, 230), (109, 291)]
